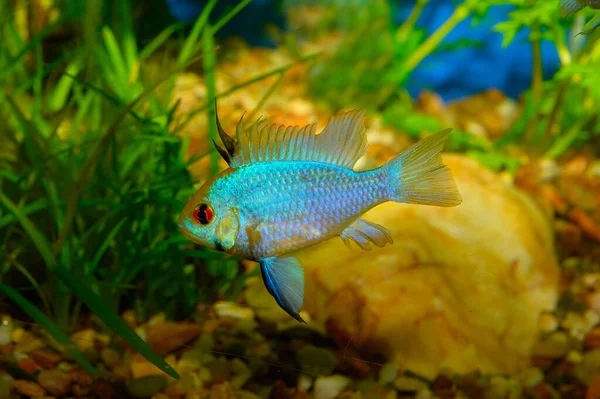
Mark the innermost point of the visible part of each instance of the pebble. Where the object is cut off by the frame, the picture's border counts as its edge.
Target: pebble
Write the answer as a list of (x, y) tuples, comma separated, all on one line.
[(6, 383), (315, 360), (547, 323), (388, 373), (233, 310), (55, 381), (593, 390), (589, 366), (222, 391), (110, 357), (404, 383), (166, 337), (145, 387), (28, 388), (555, 347), (330, 387), (304, 382), (531, 377), (45, 359), (241, 373), (6, 329)]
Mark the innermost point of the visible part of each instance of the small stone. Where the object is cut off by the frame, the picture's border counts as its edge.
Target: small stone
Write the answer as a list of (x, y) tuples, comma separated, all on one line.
[(165, 338), (589, 366), (555, 347), (28, 365), (388, 373), (6, 384), (547, 323), (130, 318), (28, 388), (574, 357), (592, 300), (233, 310), (593, 390), (25, 341), (45, 359), (241, 373), (6, 329), (592, 339), (304, 382), (110, 357), (84, 339), (330, 387), (55, 381), (404, 383), (104, 390), (316, 361), (145, 387), (531, 377), (222, 391)]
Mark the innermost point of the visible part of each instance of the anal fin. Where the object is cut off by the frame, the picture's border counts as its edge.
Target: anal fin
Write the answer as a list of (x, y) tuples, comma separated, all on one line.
[(284, 279), (363, 232)]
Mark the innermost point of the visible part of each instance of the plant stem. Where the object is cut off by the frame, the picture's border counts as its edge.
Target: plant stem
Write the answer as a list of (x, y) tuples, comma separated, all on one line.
[(461, 12), (536, 79), (408, 25)]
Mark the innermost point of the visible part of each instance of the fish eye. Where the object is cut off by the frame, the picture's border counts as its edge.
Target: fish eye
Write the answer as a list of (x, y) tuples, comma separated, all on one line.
[(204, 214)]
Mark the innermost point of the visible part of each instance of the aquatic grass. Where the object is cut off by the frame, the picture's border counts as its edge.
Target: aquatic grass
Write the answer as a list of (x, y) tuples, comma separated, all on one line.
[(95, 183)]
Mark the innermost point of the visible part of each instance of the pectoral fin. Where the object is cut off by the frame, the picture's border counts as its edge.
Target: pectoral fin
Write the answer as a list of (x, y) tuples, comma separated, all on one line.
[(364, 232), (284, 279), (228, 229)]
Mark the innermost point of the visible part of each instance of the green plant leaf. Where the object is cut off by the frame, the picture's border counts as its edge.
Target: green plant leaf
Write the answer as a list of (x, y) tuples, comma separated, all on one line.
[(49, 326)]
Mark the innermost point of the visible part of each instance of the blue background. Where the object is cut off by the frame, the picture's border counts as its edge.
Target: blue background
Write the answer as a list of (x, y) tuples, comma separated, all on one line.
[(452, 74)]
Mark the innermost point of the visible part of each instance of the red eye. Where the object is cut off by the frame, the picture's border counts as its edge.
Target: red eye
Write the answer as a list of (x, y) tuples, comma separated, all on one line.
[(204, 214)]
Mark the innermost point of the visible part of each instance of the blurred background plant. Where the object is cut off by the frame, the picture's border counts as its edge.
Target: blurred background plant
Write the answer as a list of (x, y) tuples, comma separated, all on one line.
[(92, 176), (377, 61)]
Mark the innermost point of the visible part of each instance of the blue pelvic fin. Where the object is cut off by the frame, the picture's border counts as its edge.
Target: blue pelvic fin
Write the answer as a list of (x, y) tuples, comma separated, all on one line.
[(568, 7), (284, 279), (419, 175), (363, 232)]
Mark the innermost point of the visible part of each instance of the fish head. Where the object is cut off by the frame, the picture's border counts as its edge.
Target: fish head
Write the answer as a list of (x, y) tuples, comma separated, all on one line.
[(207, 219)]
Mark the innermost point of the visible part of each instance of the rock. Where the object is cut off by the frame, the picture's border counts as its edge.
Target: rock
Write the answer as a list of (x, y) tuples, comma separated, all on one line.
[(28, 365), (222, 391), (241, 373), (388, 373), (233, 310), (166, 337), (25, 341), (589, 367), (84, 339), (547, 323), (104, 390), (404, 383), (145, 387), (304, 382), (45, 359), (140, 367), (6, 329), (56, 382), (316, 361), (330, 387), (460, 288), (555, 347), (110, 357), (593, 390), (6, 384), (28, 388)]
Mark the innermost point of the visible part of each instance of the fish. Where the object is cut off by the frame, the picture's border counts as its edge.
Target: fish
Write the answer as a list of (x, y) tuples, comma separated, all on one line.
[(288, 188), (568, 7)]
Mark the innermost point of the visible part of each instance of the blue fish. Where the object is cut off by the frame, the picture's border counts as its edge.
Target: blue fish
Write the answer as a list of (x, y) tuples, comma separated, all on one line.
[(288, 188)]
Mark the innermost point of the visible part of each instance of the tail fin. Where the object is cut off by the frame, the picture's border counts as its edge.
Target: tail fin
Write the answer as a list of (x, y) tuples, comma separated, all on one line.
[(420, 175), (568, 7)]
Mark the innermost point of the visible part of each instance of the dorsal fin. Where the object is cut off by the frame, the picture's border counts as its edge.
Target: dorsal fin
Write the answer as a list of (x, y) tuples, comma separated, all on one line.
[(342, 142)]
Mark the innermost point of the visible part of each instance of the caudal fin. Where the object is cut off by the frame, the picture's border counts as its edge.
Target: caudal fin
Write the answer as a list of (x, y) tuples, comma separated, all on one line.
[(420, 175)]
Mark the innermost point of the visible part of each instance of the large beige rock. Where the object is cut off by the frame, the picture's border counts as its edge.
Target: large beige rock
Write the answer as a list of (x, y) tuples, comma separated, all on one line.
[(460, 287)]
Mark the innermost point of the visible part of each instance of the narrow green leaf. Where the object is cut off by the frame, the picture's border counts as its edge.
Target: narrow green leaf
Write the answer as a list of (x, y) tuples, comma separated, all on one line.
[(49, 326), (95, 303), (227, 17), (115, 55), (192, 40), (158, 41)]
